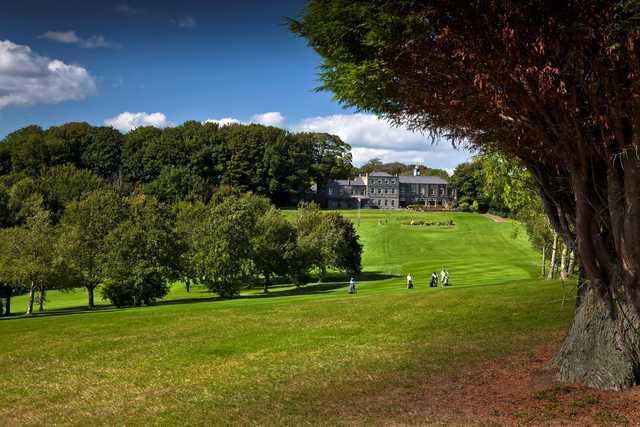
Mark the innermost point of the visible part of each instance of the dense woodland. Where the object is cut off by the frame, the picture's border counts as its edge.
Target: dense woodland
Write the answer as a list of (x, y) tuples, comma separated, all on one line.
[(184, 162), (82, 206)]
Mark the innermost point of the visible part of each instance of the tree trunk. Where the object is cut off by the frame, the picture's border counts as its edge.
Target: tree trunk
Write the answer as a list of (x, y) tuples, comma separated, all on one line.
[(7, 306), (572, 263), (41, 299), (90, 291), (563, 263), (554, 250), (187, 285), (32, 293), (602, 347), (267, 280), (544, 259)]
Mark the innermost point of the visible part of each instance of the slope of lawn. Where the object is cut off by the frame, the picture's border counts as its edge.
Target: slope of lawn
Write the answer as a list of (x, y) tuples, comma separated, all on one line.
[(311, 356)]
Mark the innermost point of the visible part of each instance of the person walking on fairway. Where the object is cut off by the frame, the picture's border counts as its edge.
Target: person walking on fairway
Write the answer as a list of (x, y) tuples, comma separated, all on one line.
[(352, 286), (443, 273), (445, 280), (434, 280), (409, 281)]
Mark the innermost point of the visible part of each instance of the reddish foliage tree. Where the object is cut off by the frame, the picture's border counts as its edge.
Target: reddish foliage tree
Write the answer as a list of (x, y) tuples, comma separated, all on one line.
[(555, 84)]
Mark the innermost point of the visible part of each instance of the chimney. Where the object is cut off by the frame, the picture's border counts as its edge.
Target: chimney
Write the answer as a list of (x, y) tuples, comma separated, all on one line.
[(416, 171)]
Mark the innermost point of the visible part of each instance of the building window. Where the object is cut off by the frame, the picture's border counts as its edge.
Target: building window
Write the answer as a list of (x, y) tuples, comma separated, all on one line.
[(385, 202), (393, 203), (379, 181), (386, 190)]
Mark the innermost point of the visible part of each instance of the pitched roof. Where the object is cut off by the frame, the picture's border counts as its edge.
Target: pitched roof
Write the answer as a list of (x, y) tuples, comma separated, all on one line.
[(355, 181), (422, 180), (376, 173)]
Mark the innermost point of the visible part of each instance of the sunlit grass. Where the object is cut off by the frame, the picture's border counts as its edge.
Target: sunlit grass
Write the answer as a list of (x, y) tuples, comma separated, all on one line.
[(316, 356)]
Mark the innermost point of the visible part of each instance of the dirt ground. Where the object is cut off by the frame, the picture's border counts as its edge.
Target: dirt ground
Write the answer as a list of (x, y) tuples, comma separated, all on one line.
[(516, 391)]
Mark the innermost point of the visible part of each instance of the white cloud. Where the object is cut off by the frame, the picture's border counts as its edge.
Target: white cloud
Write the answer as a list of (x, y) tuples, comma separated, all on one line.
[(224, 121), (370, 137), (184, 22), (272, 118), (27, 78), (127, 121), (70, 37)]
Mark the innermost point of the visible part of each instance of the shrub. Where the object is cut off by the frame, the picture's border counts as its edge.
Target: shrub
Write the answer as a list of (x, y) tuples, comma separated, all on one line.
[(463, 207)]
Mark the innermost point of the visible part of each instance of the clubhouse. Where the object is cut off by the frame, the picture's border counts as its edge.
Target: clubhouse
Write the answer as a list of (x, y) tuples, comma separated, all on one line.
[(385, 191)]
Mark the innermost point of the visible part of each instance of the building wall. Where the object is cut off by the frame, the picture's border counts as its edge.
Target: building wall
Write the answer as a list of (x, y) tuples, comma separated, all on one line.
[(386, 192), (383, 192)]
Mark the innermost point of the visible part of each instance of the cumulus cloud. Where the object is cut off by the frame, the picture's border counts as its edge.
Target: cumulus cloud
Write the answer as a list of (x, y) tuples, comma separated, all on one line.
[(272, 118), (369, 136), (27, 78), (70, 37), (372, 137), (184, 22), (127, 121)]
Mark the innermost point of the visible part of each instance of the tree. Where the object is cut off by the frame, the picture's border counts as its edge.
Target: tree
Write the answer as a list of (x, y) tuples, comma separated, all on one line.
[(554, 84), (328, 240), (141, 255), (86, 223), (190, 217), (468, 181), (178, 183), (60, 185), (272, 245), (28, 256), (223, 251), (103, 155), (341, 250)]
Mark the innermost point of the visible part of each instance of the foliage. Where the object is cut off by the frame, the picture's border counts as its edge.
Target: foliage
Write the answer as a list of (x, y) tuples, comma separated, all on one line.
[(222, 246), (397, 168), (141, 255), (468, 180), (178, 163), (273, 245), (85, 225)]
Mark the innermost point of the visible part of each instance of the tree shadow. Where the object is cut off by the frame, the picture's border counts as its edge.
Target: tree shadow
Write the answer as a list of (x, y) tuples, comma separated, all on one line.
[(332, 282)]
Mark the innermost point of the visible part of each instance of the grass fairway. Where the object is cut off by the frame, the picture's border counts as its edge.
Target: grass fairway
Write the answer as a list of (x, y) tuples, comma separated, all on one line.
[(316, 356)]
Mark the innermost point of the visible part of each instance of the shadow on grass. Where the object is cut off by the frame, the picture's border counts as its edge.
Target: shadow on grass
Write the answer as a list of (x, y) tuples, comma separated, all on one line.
[(332, 282)]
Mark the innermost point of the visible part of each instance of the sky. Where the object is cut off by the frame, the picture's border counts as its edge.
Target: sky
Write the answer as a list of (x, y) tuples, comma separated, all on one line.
[(133, 63)]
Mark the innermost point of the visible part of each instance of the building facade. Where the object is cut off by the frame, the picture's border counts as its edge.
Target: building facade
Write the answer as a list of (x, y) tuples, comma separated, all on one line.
[(384, 191)]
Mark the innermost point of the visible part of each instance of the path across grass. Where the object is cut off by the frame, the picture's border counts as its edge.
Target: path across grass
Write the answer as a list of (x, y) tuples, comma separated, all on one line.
[(310, 356)]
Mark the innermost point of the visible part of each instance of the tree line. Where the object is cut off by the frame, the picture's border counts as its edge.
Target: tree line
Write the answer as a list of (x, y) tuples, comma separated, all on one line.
[(399, 168), (133, 247), (185, 162), (83, 206)]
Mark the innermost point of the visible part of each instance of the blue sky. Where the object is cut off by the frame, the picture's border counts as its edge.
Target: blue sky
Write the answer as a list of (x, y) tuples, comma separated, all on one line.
[(162, 62)]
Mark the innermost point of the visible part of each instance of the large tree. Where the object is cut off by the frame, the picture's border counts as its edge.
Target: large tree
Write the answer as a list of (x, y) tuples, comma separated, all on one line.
[(86, 223), (555, 84)]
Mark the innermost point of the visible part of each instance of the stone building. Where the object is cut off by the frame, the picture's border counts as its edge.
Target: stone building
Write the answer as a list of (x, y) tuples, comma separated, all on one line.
[(384, 191)]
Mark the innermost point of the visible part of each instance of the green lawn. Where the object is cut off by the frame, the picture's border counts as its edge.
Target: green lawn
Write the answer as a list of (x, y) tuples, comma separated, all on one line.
[(315, 356)]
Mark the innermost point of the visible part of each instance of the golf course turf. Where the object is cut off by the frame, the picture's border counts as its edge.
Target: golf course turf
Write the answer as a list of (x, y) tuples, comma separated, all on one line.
[(315, 355)]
